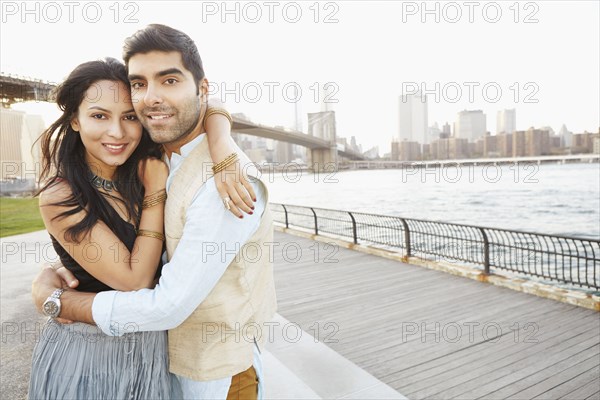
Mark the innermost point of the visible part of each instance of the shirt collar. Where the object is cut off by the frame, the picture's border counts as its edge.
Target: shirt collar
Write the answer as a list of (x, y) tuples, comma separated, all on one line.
[(185, 150)]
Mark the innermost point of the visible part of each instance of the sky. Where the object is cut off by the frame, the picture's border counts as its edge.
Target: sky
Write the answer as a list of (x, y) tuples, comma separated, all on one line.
[(268, 59)]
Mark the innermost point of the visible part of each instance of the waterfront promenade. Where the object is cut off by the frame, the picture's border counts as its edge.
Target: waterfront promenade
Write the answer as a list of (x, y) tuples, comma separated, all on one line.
[(386, 329)]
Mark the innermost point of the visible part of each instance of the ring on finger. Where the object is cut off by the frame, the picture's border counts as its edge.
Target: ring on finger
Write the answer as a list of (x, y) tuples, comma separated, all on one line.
[(226, 201)]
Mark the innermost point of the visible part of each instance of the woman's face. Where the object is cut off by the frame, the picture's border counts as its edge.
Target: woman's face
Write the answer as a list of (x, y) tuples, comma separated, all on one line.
[(108, 126)]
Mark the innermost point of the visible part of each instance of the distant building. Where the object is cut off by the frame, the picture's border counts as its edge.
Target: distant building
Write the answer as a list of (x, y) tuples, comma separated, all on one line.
[(490, 146), (504, 144), (372, 153), (531, 143), (450, 149), (438, 150), (434, 132), (353, 144), (566, 136), (537, 142), (506, 121), (20, 160), (426, 152), (549, 129), (413, 118), (406, 151), (518, 144), (470, 125), (472, 150), (447, 129), (555, 146), (259, 156), (255, 147), (458, 148), (584, 142)]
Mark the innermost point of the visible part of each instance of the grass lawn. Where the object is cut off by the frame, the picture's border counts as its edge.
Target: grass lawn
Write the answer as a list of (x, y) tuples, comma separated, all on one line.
[(19, 216)]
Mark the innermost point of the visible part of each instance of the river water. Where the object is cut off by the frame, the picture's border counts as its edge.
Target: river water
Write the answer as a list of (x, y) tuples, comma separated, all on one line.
[(562, 199)]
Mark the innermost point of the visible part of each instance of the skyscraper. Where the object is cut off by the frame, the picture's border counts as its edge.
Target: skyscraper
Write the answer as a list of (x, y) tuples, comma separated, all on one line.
[(566, 136), (413, 123), (506, 121), (447, 130), (470, 125)]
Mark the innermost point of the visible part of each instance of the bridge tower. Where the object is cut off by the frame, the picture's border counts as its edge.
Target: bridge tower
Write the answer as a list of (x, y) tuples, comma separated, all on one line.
[(322, 125)]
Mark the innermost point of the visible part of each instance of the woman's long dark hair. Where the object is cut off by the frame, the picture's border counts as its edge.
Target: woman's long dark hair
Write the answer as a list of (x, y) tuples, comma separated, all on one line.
[(63, 155)]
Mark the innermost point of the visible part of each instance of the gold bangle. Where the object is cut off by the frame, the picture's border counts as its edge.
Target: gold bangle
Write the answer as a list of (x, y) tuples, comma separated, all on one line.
[(155, 193), (154, 199), (224, 166), (229, 160), (216, 110), (152, 202), (151, 234)]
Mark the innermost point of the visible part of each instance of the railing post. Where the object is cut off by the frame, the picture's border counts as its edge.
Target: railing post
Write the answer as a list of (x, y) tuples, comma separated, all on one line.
[(354, 234), (486, 252), (287, 225), (406, 237), (316, 226)]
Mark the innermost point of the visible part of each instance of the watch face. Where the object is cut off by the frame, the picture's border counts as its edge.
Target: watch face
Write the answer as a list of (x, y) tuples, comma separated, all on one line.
[(51, 308)]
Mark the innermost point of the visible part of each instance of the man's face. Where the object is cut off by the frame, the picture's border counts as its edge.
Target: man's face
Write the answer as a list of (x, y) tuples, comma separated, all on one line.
[(164, 95)]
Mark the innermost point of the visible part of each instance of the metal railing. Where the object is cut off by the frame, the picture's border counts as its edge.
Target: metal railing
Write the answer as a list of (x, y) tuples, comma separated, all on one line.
[(568, 260)]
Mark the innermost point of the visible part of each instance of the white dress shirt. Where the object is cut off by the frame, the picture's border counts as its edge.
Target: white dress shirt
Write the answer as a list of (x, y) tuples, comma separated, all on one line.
[(211, 238)]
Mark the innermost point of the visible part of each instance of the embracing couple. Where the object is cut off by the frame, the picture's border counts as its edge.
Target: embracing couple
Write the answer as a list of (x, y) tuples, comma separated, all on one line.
[(153, 236)]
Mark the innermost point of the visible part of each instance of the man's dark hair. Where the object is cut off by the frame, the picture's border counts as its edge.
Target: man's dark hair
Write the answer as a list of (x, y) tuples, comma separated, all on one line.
[(157, 37)]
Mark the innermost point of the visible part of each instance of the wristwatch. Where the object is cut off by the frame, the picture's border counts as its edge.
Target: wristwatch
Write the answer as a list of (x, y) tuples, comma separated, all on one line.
[(51, 307)]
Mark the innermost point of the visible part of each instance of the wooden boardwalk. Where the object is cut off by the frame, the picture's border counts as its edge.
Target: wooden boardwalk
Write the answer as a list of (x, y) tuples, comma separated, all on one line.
[(431, 335)]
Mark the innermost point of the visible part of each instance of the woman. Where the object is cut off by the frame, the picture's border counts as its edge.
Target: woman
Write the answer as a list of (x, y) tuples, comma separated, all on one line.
[(103, 206)]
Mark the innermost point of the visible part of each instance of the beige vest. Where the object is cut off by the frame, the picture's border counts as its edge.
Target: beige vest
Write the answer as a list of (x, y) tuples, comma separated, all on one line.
[(217, 340)]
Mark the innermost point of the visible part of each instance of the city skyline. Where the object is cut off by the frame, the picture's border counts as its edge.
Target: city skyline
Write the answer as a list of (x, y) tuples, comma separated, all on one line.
[(468, 124), (365, 69)]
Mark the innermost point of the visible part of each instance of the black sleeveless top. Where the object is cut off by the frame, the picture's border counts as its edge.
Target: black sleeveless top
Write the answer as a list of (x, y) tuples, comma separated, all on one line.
[(87, 283)]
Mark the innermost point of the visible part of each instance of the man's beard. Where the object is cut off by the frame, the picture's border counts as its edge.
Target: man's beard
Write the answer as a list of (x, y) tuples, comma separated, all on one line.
[(186, 120)]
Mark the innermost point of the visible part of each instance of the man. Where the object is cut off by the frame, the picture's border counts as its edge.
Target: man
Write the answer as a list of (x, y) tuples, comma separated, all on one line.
[(216, 290)]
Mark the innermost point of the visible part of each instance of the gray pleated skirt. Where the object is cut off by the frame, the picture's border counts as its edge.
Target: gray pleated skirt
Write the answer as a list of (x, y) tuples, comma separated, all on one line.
[(78, 361)]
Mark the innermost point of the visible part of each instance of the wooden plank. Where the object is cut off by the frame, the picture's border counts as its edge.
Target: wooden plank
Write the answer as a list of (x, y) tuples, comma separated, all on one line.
[(495, 375), (588, 391), (511, 376), (369, 297), (583, 360), (564, 388), (480, 354), (480, 357)]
